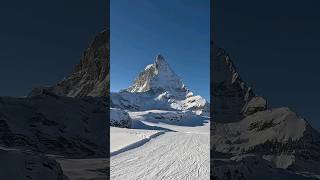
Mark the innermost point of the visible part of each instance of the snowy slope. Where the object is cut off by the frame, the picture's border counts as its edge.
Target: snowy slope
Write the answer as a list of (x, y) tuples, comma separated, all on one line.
[(182, 152)]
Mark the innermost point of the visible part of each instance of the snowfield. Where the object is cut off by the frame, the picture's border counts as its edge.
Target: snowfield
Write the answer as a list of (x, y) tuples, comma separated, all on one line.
[(182, 152)]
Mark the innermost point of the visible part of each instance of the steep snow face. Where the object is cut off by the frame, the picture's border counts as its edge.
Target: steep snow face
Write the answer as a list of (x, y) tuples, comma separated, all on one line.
[(158, 87), (91, 75), (156, 76), (230, 94)]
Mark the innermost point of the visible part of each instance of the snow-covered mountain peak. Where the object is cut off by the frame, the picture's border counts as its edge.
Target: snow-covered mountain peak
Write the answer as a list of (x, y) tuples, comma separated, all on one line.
[(156, 76), (158, 87)]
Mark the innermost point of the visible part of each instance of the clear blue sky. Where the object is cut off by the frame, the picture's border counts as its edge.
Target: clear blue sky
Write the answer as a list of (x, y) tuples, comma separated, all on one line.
[(178, 29)]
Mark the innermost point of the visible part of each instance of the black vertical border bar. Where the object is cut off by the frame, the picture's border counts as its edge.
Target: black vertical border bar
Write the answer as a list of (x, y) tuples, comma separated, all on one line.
[(107, 46), (212, 55)]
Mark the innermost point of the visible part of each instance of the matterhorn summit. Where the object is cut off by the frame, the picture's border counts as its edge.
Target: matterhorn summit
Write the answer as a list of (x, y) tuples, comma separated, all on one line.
[(156, 76)]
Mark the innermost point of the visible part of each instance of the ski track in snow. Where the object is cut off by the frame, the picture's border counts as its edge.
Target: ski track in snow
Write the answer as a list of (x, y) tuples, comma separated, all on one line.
[(180, 155)]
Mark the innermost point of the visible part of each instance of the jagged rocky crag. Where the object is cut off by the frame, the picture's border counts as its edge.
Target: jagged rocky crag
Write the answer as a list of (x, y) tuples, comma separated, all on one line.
[(69, 119), (249, 141), (157, 87)]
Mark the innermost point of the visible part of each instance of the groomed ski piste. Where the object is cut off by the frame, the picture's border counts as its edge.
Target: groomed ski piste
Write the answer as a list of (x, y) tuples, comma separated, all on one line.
[(179, 151)]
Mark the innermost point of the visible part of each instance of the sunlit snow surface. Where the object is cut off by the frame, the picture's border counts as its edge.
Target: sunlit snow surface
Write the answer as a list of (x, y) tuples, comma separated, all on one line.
[(166, 145)]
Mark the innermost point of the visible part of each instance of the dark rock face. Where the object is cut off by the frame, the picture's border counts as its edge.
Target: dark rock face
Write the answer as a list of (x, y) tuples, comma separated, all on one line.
[(90, 77), (229, 93)]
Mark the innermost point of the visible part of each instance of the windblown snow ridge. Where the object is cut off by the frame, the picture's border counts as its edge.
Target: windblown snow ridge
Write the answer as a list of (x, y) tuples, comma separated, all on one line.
[(136, 144)]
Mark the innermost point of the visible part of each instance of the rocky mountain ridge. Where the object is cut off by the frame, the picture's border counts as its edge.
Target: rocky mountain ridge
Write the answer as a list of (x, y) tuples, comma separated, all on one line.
[(250, 141)]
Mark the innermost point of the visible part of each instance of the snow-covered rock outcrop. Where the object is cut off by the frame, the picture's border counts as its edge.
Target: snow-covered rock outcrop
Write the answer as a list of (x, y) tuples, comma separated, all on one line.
[(119, 118), (158, 87)]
